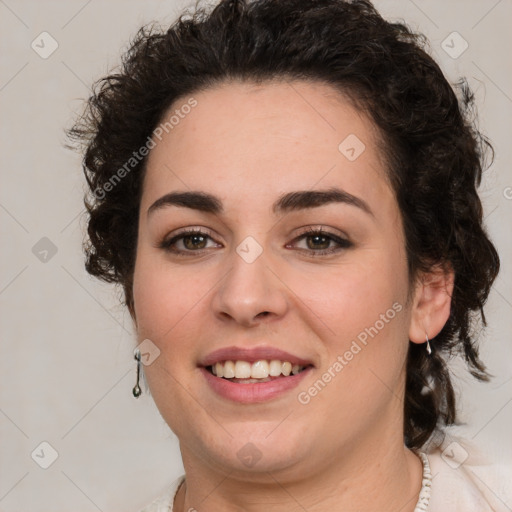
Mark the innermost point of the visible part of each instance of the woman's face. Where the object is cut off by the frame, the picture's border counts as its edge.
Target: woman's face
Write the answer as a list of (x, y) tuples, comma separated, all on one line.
[(259, 277)]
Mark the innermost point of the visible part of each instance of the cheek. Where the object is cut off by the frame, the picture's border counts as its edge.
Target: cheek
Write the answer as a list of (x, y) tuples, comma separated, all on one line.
[(353, 296), (365, 351), (361, 314), (162, 297), (165, 304)]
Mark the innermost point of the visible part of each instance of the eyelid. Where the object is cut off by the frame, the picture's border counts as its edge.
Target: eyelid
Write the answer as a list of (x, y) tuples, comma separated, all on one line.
[(167, 240), (321, 228), (342, 240)]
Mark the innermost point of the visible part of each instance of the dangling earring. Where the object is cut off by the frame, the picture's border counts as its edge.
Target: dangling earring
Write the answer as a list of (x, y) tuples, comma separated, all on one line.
[(429, 350), (136, 390)]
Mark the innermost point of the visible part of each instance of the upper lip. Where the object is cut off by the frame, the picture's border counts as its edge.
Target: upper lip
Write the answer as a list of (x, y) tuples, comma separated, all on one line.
[(251, 355)]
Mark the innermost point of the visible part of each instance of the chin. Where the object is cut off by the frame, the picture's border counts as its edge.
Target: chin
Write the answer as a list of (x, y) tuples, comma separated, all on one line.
[(257, 448)]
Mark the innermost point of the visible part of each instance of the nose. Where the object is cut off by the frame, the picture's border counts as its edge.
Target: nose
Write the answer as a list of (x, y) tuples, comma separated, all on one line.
[(250, 292)]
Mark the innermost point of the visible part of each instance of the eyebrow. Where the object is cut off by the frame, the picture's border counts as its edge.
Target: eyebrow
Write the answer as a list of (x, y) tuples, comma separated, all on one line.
[(291, 201)]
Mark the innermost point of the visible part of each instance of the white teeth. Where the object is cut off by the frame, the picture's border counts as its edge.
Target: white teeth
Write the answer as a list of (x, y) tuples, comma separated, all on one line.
[(286, 368), (275, 368), (229, 369), (260, 370), (242, 370)]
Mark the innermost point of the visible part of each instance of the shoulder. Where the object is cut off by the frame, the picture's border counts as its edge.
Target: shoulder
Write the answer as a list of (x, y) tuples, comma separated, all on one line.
[(463, 480), (164, 502)]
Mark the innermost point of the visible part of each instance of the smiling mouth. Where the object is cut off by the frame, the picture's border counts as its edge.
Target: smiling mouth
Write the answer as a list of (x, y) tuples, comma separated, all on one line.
[(245, 372)]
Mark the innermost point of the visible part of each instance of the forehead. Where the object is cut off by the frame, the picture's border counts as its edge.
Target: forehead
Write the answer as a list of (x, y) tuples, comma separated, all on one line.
[(244, 141)]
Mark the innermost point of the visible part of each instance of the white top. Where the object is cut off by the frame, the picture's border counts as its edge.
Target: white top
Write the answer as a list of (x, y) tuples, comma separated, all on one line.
[(451, 483)]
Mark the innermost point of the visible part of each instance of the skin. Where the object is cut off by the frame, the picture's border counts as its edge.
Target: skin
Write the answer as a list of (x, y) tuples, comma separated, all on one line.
[(248, 144)]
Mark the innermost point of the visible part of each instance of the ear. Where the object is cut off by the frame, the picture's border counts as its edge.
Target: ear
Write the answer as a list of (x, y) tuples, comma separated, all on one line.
[(431, 303)]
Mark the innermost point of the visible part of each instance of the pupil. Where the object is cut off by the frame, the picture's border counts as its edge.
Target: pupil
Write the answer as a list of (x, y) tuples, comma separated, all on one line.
[(324, 241), (191, 241)]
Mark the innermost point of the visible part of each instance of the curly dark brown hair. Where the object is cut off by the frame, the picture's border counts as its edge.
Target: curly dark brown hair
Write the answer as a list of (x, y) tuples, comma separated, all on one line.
[(433, 152)]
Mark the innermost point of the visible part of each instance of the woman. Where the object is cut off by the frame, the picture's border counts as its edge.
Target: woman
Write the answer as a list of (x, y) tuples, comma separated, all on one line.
[(286, 192)]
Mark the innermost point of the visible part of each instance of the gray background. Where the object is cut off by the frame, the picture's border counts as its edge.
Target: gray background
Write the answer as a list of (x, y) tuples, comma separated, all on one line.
[(66, 368)]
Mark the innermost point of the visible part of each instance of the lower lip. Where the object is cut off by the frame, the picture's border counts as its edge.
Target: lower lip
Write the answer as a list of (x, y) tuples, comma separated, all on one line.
[(253, 392)]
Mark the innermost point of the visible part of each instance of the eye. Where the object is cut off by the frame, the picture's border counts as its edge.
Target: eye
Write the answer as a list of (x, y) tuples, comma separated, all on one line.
[(188, 241), (319, 242)]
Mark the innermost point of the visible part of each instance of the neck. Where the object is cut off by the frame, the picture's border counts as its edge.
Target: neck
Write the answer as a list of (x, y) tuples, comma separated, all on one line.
[(381, 473)]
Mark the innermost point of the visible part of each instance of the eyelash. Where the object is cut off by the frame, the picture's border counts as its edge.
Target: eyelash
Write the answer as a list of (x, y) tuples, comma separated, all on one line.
[(343, 243)]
